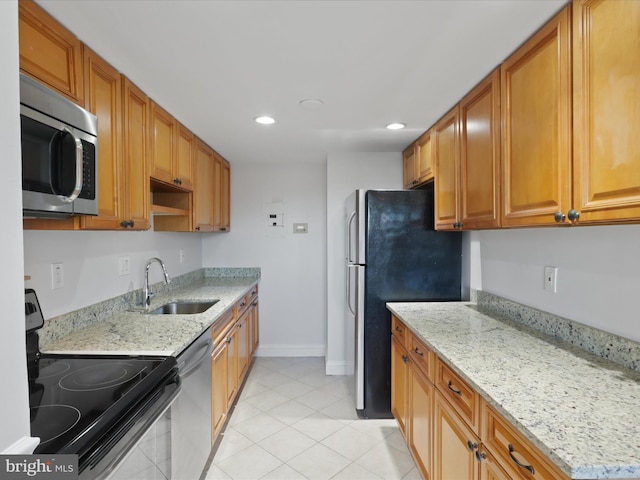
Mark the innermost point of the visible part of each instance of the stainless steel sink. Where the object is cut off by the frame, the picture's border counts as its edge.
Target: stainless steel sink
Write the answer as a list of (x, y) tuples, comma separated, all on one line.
[(183, 308)]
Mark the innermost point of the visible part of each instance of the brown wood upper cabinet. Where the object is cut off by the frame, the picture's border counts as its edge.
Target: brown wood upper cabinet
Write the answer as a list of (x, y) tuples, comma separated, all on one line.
[(222, 192), (418, 162), (103, 94), (536, 119), (467, 160), (447, 165), (480, 155), (204, 188), (172, 149), (606, 110), (49, 52)]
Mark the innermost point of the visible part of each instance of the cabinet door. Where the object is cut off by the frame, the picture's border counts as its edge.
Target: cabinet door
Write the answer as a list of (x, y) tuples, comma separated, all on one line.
[(480, 155), (232, 365), (606, 42), (399, 383), (219, 380), (536, 119), (424, 158), (243, 345), (104, 99), (446, 162), (409, 179), (454, 444), (49, 52), (163, 143), (420, 441), (204, 188), (135, 133), (183, 168), (222, 200), (254, 331)]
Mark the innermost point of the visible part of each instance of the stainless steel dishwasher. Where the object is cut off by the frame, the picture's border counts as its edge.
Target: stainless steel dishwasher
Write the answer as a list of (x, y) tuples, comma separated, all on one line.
[(191, 411)]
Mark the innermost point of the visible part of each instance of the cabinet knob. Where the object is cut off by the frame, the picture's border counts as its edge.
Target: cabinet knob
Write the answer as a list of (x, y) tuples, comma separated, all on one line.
[(573, 215), (197, 229), (405, 359), (177, 181), (471, 445), (559, 217), (480, 456)]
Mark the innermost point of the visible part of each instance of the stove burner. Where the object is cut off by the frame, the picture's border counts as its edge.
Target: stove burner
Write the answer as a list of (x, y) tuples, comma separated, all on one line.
[(98, 377), (53, 369), (60, 419)]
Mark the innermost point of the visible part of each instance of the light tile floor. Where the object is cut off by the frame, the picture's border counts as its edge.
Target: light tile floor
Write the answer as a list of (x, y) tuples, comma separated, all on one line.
[(294, 422)]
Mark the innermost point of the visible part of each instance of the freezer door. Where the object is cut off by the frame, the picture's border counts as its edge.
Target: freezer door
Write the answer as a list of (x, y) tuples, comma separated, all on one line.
[(355, 227)]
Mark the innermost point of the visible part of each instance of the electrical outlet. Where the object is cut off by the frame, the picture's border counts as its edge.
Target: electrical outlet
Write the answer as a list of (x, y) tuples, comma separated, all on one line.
[(124, 264), (182, 256), (57, 275), (551, 279)]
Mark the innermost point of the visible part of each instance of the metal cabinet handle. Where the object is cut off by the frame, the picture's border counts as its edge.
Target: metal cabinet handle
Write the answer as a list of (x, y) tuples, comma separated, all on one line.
[(418, 352), (457, 392), (405, 359), (559, 217), (399, 330), (471, 445), (528, 468), (480, 456), (573, 215)]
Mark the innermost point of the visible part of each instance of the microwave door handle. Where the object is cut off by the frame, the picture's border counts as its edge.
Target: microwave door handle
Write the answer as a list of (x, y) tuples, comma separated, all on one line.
[(79, 160)]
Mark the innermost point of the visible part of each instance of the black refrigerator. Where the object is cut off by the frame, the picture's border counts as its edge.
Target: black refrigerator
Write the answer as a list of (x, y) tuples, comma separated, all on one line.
[(393, 254)]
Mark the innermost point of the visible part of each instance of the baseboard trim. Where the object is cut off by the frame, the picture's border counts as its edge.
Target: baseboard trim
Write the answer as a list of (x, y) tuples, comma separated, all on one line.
[(339, 368), (291, 351)]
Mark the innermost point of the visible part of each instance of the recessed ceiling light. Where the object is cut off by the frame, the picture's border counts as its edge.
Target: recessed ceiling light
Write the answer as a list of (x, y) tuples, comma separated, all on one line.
[(265, 120), (396, 126), (310, 103)]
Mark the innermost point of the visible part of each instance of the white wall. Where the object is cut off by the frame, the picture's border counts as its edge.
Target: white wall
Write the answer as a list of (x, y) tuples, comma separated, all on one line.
[(90, 261), (293, 284), (14, 414), (598, 272), (346, 173)]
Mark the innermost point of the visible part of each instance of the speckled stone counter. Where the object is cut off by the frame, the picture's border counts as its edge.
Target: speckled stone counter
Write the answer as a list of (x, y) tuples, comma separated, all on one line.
[(581, 410), (110, 327)]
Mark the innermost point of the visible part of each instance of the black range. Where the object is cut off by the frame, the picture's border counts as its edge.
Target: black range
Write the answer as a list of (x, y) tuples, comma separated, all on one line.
[(95, 406)]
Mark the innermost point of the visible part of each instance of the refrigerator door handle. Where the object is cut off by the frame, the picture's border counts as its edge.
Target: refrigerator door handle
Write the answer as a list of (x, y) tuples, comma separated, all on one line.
[(349, 297), (349, 222)]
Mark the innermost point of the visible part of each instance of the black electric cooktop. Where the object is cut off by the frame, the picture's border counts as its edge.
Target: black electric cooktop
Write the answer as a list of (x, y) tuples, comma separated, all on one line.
[(75, 400)]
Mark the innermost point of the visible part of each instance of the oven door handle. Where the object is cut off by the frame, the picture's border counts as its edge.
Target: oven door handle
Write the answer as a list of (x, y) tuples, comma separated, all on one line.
[(103, 467)]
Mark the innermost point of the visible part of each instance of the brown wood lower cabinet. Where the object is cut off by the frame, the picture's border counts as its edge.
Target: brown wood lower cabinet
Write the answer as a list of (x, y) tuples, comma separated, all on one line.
[(451, 431), (235, 336)]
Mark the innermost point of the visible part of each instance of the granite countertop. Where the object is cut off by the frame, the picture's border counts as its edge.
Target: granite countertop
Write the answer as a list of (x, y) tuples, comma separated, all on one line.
[(581, 410), (136, 333)]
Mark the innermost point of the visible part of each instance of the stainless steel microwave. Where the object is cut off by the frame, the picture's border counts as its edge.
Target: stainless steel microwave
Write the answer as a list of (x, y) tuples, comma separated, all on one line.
[(59, 154)]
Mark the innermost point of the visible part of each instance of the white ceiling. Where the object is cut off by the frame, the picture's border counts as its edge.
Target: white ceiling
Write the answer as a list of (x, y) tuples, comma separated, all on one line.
[(215, 65)]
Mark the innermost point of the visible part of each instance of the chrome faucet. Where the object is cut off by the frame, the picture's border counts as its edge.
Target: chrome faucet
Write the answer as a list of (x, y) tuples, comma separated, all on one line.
[(147, 292)]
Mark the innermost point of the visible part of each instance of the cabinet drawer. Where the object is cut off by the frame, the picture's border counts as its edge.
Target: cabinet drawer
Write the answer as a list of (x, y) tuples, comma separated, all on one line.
[(244, 303), (463, 398), (399, 331), (516, 454), (421, 356), (222, 324)]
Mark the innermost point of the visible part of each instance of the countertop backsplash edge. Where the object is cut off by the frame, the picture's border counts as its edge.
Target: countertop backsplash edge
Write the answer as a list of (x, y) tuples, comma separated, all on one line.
[(58, 327), (620, 350)]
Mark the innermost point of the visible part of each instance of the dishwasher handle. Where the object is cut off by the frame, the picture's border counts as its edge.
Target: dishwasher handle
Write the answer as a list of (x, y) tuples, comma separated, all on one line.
[(190, 361)]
